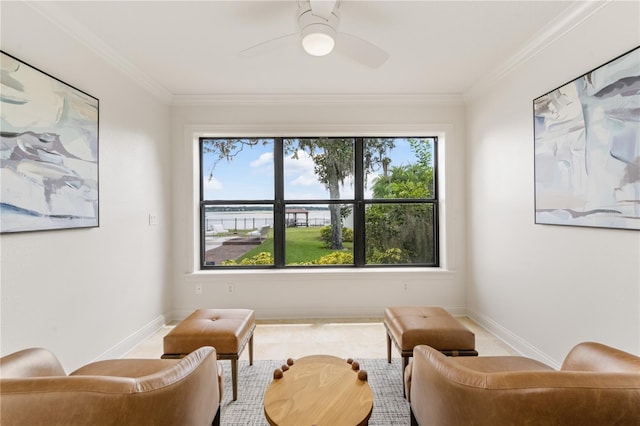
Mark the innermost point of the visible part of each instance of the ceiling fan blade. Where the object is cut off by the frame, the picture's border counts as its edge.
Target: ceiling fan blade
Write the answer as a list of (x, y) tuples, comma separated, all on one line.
[(323, 8), (270, 45), (361, 50)]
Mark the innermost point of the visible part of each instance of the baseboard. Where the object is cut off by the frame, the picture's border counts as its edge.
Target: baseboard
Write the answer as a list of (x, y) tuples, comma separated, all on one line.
[(128, 343), (511, 339)]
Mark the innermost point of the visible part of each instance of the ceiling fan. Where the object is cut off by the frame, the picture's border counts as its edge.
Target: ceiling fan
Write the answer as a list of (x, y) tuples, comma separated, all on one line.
[(318, 22)]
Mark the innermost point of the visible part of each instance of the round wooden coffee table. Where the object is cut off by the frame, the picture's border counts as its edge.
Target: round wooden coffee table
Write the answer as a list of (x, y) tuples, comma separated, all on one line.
[(320, 390)]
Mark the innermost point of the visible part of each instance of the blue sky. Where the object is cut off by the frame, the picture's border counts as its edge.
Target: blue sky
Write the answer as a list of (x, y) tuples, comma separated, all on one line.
[(250, 175)]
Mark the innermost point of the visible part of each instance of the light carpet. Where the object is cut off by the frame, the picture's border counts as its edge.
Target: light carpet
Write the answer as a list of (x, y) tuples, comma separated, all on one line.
[(389, 406)]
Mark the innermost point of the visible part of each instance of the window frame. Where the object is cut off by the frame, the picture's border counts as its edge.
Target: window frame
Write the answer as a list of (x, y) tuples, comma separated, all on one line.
[(359, 203)]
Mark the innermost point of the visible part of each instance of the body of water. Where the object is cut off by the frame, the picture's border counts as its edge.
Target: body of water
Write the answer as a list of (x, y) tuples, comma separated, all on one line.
[(240, 221)]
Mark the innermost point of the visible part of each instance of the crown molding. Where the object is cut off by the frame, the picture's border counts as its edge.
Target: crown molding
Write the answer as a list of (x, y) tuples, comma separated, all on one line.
[(82, 34), (318, 99), (564, 23)]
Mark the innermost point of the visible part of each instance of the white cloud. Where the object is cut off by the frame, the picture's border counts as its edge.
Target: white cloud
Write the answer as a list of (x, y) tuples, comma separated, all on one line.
[(265, 159), (299, 171), (303, 164), (307, 179), (211, 186)]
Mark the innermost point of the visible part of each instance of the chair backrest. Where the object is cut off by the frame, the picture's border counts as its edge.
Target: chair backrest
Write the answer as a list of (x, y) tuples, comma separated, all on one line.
[(219, 229)]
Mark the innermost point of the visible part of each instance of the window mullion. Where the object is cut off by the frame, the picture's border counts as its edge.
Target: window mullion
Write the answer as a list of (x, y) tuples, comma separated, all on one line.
[(278, 207), (359, 207), (436, 204), (202, 204)]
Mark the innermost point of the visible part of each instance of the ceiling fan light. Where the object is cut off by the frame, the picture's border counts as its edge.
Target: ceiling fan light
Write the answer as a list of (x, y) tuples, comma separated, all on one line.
[(318, 39), (318, 44)]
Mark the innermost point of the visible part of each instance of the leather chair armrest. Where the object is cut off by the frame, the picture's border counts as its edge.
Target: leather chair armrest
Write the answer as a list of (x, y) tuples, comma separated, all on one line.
[(591, 356), (32, 362)]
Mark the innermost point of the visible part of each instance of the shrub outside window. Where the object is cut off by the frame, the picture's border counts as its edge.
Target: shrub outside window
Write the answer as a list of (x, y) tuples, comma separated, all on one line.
[(318, 202)]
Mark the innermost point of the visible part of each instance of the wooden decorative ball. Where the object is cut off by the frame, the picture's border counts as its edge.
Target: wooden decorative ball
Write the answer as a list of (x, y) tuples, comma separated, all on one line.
[(277, 374), (290, 361), (362, 375), (284, 367), (349, 360), (355, 365)]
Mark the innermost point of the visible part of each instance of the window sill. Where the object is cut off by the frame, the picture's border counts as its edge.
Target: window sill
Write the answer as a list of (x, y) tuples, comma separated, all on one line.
[(433, 273)]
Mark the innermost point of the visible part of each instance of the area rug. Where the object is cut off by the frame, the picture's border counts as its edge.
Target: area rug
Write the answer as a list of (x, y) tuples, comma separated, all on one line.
[(389, 406)]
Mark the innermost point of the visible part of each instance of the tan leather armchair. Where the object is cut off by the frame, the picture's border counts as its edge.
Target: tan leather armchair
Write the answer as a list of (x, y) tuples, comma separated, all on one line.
[(34, 390), (596, 385)]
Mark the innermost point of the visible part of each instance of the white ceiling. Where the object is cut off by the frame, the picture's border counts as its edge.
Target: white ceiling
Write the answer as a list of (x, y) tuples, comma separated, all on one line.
[(191, 47)]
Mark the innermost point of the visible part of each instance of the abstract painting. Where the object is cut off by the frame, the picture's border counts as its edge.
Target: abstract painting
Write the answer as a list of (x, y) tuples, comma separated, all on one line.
[(587, 148), (48, 151)]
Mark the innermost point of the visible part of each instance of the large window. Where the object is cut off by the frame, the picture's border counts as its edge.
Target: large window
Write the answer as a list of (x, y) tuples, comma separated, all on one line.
[(318, 202)]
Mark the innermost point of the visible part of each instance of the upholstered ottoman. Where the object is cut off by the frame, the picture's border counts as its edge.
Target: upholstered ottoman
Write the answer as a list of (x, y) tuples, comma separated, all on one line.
[(227, 330), (410, 326)]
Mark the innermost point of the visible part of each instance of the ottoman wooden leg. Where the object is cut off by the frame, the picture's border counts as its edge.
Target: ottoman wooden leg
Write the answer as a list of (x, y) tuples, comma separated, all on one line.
[(234, 377), (251, 349), (388, 347)]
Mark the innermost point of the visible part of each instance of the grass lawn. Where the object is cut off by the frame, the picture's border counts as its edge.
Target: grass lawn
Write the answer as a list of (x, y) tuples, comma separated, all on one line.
[(302, 245)]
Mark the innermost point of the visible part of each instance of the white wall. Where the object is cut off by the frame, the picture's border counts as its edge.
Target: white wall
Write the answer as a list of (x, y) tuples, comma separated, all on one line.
[(334, 293), (545, 288), (84, 294)]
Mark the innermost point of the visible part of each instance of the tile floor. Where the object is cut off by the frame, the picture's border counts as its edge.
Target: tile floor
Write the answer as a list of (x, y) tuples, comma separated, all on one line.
[(348, 338)]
